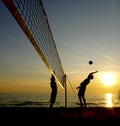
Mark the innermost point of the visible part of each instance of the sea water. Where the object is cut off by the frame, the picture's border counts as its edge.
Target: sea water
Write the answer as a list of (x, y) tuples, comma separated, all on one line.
[(43, 100)]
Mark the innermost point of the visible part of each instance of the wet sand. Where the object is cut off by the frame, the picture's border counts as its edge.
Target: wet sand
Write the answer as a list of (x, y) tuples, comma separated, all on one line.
[(60, 116)]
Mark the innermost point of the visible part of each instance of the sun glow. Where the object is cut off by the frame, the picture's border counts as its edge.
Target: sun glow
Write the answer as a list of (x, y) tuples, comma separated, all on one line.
[(108, 78)]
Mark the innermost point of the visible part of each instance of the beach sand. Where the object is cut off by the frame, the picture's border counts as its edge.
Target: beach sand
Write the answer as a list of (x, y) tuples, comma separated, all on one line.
[(60, 116)]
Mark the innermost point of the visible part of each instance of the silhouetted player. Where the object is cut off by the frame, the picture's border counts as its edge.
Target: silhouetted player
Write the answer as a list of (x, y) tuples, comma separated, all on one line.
[(82, 88), (53, 91)]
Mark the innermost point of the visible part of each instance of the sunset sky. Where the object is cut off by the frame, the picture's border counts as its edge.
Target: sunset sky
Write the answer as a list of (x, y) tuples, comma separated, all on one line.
[(83, 30)]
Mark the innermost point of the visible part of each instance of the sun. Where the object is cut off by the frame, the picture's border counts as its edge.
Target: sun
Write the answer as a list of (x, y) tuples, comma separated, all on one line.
[(108, 78)]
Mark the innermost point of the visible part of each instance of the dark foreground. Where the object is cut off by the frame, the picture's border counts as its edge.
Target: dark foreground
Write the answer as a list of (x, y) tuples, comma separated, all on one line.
[(60, 116)]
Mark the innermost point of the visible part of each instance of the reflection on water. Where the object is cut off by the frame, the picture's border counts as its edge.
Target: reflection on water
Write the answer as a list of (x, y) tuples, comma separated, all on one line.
[(108, 98)]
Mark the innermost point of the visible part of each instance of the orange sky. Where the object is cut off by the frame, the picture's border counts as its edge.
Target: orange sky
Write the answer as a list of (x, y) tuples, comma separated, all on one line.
[(82, 31)]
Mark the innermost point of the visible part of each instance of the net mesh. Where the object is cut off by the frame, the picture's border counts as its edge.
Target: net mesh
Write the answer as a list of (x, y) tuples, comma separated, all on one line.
[(31, 16)]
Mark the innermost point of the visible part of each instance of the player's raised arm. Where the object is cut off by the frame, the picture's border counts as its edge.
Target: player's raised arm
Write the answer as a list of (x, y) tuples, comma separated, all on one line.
[(93, 72)]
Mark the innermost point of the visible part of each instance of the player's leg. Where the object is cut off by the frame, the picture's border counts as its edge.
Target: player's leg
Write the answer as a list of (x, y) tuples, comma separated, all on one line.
[(84, 100)]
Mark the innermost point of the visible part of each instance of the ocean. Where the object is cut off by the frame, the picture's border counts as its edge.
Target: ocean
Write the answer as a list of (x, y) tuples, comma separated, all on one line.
[(42, 100)]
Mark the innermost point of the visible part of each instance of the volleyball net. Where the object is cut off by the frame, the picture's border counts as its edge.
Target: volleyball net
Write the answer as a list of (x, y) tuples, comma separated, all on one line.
[(32, 18)]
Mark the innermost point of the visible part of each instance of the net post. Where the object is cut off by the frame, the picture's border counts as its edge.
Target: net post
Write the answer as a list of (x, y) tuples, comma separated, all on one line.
[(65, 86)]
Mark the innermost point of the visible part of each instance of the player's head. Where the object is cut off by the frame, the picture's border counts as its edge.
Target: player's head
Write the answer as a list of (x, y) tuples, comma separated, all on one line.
[(52, 78), (90, 76)]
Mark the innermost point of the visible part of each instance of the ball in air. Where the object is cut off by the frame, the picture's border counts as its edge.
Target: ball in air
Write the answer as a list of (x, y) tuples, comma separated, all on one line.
[(90, 62)]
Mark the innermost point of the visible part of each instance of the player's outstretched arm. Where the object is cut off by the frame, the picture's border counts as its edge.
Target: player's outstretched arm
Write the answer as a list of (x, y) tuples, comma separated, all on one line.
[(93, 72), (78, 87)]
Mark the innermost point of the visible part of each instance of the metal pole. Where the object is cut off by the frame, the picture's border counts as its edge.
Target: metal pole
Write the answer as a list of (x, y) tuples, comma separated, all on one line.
[(65, 92)]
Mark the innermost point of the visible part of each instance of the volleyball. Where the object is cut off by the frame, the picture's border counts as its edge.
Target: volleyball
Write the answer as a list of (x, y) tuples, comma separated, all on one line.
[(90, 62)]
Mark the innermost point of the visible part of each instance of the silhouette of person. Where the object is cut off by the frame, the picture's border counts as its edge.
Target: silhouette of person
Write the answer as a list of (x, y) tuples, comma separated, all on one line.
[(53, 91), (82, 88)]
